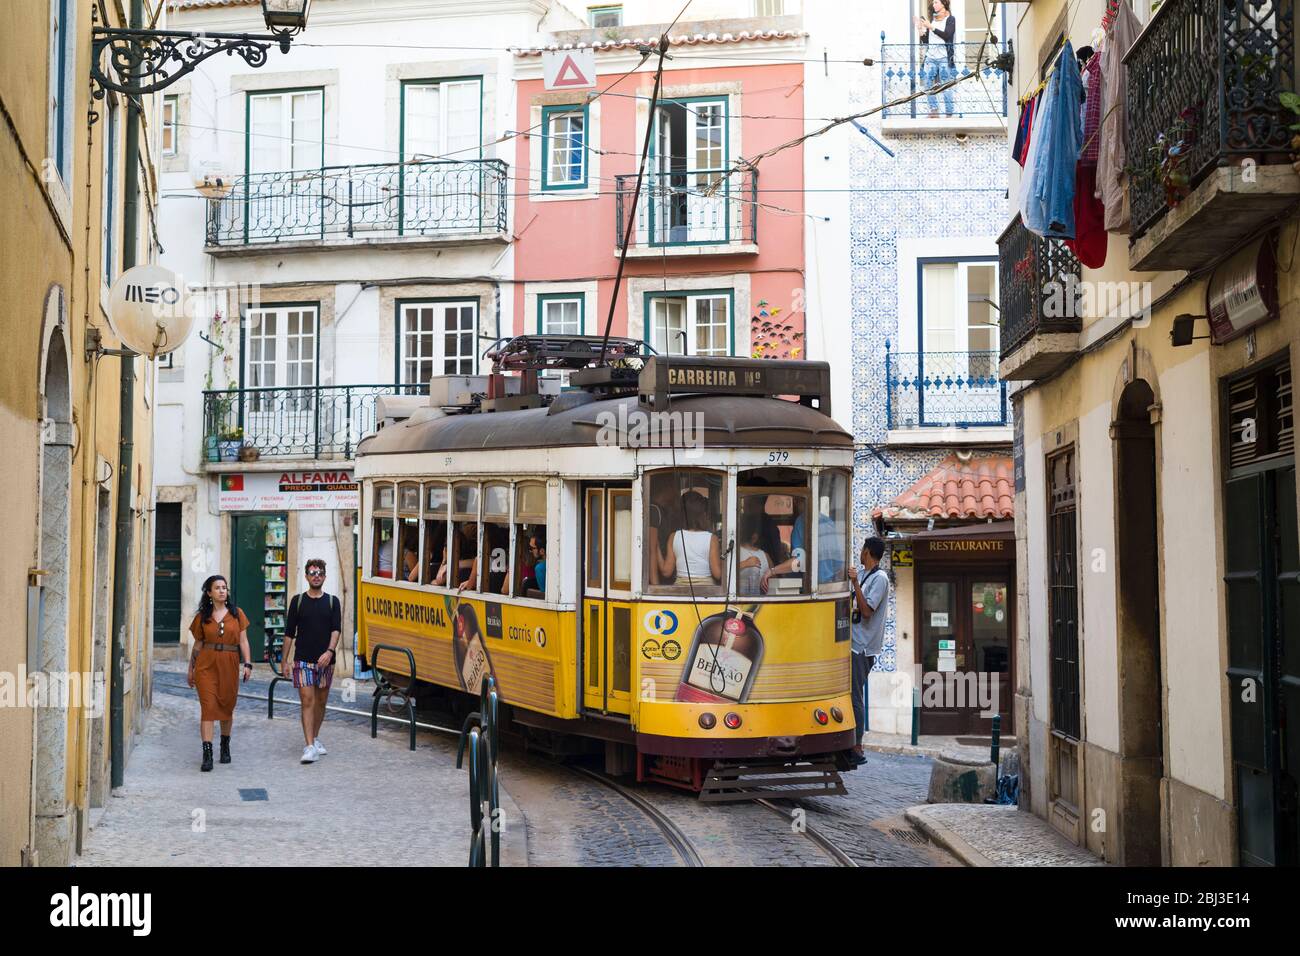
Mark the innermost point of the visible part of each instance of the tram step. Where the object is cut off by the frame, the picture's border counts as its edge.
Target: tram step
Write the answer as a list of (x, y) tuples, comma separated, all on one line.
[(733, 782)]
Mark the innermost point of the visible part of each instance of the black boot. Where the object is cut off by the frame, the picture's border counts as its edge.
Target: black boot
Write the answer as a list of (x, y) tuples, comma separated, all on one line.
[(225, 748), (207, 756)]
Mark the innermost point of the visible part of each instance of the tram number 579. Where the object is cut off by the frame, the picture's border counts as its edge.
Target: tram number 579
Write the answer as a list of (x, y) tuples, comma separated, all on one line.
[(778, 457)]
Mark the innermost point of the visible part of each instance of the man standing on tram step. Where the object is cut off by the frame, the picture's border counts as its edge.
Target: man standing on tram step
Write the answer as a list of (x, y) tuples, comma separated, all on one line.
[(870, 587), (312, 629)]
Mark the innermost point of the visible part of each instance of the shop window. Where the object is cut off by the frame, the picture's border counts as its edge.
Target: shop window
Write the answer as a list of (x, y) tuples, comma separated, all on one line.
[(408, 531), (685, 528), (770, 541), (436, 501), (459, 571), (494, 564), (381, 557), (832, 530), (530, 540)]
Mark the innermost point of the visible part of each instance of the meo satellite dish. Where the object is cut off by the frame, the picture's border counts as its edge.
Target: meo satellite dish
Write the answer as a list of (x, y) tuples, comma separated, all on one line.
[(149, 310)]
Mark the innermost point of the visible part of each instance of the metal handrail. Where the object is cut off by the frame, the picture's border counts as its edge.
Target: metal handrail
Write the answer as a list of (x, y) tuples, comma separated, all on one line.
[(433, 197), (480, 736), (902, 73), (725, 208), (384, 688), (939, 389)]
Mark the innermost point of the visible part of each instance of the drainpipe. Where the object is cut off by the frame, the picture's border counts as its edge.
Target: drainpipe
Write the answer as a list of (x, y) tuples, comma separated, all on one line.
[(122, 589)]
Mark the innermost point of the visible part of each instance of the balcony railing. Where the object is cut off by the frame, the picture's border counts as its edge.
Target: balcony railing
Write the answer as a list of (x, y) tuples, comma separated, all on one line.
[(1038, 286), (434, 198), (320, 421), (903, 71), (1203, 85), (689, 207), (944, 389)]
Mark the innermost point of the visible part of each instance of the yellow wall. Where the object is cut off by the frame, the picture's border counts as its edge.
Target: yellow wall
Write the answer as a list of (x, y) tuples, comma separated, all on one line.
[(51, 240)]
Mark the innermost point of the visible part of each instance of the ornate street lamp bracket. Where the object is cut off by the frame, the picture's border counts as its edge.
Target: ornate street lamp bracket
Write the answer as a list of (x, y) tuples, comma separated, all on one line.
[(146, 61)]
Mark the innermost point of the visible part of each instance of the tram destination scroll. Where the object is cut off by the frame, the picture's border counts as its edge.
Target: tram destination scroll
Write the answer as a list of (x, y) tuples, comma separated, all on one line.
[(809, 382)]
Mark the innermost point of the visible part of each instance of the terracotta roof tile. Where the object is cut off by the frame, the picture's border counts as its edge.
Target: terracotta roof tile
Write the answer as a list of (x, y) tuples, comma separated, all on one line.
[(687, 39), (978, 489)]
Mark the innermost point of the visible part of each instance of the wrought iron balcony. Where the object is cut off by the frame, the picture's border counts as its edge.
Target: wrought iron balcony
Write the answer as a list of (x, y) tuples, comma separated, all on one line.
[(903, 71), (452, 200), (1208, 136), (1039, 301), (944, 389), (319, 421), (704, 209)]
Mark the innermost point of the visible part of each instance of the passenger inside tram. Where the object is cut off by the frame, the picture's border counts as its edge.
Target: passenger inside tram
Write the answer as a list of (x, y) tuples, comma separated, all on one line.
[(409, 532), (754, 562), (665, 518), (496, 546), (384, 548), (693, 556), (435, 547), (534, 565), (458, 569)]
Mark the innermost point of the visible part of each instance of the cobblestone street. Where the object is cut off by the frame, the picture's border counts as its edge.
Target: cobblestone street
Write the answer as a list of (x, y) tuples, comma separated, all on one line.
[(375, 802)]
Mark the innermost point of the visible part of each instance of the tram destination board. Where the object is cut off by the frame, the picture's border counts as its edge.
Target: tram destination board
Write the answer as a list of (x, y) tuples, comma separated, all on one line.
[(810, 382)]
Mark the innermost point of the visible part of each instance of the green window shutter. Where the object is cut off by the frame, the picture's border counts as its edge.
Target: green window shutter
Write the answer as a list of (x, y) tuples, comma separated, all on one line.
[(1245, 514)]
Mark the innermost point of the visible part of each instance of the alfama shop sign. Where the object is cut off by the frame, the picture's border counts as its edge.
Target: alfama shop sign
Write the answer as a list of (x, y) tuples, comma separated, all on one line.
[(289, 491)]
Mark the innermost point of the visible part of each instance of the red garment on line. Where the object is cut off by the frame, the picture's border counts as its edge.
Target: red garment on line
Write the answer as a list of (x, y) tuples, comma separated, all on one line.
[(1089, 242)]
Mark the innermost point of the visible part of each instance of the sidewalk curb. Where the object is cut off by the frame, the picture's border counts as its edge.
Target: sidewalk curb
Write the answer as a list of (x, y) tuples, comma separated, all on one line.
[(946, 837), (905, 750)]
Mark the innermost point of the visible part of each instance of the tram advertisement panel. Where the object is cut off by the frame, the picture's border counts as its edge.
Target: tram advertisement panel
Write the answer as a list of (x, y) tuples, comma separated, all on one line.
[(747, 653), (457, 641)]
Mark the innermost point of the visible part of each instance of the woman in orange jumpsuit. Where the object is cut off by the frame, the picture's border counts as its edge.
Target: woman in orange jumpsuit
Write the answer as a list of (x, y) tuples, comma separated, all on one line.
[(220, 632)]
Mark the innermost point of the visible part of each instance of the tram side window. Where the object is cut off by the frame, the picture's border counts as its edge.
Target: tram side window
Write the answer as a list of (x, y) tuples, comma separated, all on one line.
[(458, 571), (530, 562), (771, 548), (381, 558), (408, 532), (684, 532), (832, 529), (494, 563), (437, 498)]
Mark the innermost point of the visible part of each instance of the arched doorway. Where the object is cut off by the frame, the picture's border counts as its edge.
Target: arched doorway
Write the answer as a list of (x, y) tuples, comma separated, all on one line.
[(1141, 687), (53, 822)]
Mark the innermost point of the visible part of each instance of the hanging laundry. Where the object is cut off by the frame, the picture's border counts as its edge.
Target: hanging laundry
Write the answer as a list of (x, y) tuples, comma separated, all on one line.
[(1090, 241), (1020, 150), (1112, 181), (1047, 193)]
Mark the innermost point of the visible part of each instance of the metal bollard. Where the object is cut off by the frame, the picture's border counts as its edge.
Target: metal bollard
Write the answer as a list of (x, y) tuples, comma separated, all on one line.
[(997, 739), (916, 714)]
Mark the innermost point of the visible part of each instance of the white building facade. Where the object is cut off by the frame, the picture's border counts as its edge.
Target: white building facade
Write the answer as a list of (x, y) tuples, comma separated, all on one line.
[(359, 243)]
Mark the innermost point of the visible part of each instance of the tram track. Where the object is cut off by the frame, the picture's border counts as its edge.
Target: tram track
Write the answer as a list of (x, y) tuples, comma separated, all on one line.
[(822, 842), (673, 835)]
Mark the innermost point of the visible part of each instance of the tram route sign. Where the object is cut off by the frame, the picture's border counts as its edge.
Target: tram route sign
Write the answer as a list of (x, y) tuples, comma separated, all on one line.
[(810, 382)]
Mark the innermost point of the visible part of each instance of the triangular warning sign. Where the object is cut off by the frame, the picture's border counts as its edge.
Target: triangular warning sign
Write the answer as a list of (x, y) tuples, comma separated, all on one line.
[(570, 75)]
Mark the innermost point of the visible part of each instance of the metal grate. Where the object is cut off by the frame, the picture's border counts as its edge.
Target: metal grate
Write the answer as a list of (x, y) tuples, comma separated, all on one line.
[(927, 389), (1039, 288), (903, 72), (688, 207), (253, 793)]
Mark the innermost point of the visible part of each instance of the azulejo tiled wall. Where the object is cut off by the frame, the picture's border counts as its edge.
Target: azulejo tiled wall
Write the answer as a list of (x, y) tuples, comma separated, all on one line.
[(934, 186)]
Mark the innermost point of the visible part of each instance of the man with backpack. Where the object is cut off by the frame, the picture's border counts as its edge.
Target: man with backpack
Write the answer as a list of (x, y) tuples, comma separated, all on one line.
[(869, 585), (312, 629)]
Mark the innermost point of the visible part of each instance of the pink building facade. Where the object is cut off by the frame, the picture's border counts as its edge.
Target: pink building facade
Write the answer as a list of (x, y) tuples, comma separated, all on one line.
[(715, 262)]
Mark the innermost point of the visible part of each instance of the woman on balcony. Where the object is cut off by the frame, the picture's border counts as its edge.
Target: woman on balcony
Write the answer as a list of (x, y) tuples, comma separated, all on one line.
[(939, 65)]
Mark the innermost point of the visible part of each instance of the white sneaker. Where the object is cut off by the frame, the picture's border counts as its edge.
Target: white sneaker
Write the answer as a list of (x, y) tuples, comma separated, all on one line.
[(320, 748), (309, 754)]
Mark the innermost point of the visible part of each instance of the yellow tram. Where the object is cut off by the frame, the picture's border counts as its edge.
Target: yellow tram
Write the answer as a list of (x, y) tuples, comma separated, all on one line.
[(655, 557)]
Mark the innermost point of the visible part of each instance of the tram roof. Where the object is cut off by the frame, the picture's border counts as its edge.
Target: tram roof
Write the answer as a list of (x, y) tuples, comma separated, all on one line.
[(728, 422)]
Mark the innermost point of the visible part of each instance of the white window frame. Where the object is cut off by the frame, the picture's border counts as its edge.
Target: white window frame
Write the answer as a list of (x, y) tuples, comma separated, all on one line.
[(961, 299), (171, 104), (314, 99), (690, 301), (280, 363), (604, 9), (579, 304), (443, 145), (435, 340), (552, 139)]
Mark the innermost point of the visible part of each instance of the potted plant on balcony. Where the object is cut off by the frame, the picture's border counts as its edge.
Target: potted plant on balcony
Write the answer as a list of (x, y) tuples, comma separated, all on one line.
[(249, 452), (229, 441)]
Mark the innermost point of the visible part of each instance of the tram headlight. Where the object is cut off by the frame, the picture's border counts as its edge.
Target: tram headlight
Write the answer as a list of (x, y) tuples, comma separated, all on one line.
[(837, 715), (819, 715), (732, 720), (708, 721)]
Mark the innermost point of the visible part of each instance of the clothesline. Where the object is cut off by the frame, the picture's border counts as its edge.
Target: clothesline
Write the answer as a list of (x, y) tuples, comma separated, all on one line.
[(1043, 85)]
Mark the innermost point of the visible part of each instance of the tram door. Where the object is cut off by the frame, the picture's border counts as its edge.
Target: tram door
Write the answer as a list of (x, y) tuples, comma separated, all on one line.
[(607, 598)]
